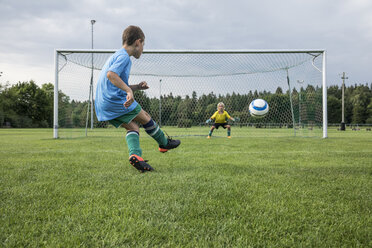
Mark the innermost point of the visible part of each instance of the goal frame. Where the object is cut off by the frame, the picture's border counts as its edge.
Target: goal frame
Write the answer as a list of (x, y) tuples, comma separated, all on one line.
[(254, 51)]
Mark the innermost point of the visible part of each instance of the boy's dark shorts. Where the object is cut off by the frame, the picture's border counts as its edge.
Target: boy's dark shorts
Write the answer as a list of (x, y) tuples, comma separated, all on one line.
[(126, 118), (217, 125)]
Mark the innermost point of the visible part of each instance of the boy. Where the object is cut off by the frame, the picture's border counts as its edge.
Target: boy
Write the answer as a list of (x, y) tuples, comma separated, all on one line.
[(220, 117), (115, 102)]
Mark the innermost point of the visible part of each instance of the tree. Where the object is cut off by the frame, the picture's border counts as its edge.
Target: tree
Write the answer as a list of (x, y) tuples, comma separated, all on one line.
[(334, 91), (2, 100), (369, 112), (360, 99), (25, 105), (334, 109), (28, 105), (49, 93), (279, 91)]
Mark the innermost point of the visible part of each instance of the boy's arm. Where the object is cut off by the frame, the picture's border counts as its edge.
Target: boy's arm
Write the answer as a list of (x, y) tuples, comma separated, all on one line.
[(141, 86), (229, 117), (214, 115), (212, 118), (118, 82)]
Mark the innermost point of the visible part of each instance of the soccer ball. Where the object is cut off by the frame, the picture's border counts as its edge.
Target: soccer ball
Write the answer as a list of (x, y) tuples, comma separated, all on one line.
[(258, 108)]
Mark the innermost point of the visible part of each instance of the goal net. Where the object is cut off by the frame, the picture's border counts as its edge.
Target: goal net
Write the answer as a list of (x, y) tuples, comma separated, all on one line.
[(186, 86)]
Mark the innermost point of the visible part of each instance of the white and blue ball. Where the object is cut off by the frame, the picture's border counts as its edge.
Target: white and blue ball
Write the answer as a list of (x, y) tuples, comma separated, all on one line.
[(258, 108)]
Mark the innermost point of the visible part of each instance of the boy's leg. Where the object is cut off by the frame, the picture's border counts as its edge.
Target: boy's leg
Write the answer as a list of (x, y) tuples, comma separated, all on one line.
[(132, 138), (135, 151), (228, 131), (153, 129)]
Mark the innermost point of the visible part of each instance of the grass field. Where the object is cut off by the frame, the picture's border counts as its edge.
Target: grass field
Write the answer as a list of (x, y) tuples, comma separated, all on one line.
[(244, 192)]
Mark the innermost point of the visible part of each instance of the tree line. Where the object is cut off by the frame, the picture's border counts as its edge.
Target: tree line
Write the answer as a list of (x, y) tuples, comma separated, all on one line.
[(26, 105)]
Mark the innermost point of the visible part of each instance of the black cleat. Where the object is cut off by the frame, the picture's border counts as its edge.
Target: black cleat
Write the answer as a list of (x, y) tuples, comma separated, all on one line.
[(171, 145), (139, 163)]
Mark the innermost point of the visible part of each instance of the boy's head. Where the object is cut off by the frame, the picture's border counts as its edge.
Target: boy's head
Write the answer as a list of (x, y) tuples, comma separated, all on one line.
[(220, 106), (134, 37)]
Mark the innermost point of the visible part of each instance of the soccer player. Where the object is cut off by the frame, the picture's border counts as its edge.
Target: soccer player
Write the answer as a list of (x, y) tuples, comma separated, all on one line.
[(115, 101), (220, 117)]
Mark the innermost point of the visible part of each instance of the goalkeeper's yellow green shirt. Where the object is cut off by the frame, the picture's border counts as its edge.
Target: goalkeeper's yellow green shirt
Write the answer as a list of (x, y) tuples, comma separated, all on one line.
[(220, 118)]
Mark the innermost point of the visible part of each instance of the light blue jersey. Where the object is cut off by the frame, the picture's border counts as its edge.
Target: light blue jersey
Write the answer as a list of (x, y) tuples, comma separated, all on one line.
[(109, 98)]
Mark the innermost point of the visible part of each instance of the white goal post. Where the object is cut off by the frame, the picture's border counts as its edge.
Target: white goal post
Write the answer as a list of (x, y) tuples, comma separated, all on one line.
[(227, 73)]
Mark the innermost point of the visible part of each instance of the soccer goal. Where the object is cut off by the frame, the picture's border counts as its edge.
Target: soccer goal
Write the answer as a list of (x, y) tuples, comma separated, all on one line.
[(186, 86)]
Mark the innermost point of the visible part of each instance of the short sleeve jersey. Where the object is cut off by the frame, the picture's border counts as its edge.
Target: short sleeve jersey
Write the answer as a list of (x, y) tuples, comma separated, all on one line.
[(220, 118), (109, 99)]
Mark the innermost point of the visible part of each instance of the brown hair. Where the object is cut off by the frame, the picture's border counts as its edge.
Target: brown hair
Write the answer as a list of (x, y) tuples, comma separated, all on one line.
[(131, 34)]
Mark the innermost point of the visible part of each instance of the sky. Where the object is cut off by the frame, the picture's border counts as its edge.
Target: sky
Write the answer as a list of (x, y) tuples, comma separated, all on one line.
[(30, 31)]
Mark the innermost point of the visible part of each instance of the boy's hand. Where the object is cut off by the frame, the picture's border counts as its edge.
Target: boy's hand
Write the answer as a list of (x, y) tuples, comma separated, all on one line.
[(143, 85), (208, 121), (130, 99)]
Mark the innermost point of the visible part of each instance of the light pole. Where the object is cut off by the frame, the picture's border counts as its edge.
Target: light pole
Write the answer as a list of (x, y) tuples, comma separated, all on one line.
[(300, 82), (91, 82), (343, 101), (160, 102), (90, 102), (92, 22)]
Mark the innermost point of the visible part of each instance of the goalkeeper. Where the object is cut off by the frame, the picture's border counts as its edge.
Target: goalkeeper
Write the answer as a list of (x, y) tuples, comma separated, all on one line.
[(115, 102), (220, 117)]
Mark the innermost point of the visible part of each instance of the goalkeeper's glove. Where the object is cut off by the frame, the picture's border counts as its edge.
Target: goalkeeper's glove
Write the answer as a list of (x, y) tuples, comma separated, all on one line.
[(237, 119), (208, 121)]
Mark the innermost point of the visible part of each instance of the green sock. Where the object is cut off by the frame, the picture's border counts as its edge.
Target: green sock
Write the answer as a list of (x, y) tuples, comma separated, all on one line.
[(210, 133), (228, 132), (156, 133), (133, 143), (160, 137)]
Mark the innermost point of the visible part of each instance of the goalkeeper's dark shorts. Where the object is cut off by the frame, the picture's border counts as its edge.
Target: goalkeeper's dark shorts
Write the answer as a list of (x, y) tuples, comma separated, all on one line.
[(217, 125)]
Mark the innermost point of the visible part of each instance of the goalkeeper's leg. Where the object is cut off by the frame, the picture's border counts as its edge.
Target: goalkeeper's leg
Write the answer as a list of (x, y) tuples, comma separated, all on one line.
[(228, 131), (210, 132)]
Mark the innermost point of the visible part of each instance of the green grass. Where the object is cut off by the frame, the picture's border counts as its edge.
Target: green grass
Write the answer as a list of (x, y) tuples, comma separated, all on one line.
[(244, 192)]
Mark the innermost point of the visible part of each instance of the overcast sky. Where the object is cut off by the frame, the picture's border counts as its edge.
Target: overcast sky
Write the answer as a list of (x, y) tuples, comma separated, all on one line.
[(30, 30)]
